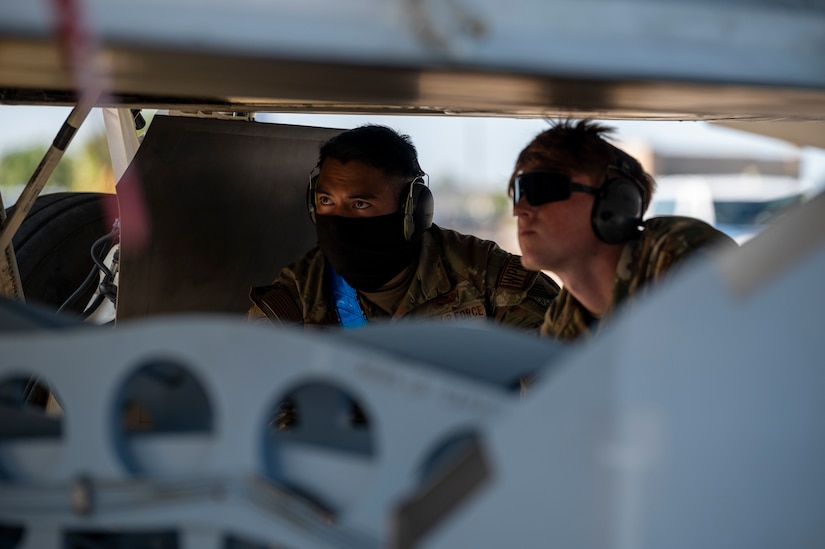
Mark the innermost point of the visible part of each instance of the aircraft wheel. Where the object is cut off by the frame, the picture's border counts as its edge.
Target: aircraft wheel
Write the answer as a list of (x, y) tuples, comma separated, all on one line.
[(53, 244)]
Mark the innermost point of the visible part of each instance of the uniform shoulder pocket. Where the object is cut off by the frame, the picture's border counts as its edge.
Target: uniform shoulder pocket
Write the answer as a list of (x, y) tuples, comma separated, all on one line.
[(277, 303), (513, 276)]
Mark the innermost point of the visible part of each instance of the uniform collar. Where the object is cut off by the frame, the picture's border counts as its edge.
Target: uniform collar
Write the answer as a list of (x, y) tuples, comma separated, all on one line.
[(431, 279)]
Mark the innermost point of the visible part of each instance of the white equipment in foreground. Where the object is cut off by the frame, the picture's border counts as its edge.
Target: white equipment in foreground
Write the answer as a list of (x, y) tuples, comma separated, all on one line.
[(694, 420)]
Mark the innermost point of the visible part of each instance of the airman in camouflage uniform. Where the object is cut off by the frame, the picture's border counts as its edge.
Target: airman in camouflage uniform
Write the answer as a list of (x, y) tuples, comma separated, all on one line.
[(380, 256), (580, 202), (458, 277), (665, 242)]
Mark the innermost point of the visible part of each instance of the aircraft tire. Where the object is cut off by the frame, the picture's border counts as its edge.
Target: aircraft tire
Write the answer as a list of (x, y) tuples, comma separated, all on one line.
[(53, 244)]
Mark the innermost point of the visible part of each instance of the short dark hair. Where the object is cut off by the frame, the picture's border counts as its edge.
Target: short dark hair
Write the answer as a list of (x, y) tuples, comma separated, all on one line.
[(580, 147), (378, 146)]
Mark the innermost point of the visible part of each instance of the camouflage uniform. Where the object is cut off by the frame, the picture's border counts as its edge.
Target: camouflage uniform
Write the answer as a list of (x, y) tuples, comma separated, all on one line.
[(664, 242), (458, 277)]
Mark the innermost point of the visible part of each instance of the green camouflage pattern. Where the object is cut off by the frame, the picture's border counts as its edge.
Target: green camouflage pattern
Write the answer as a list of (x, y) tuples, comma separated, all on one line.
[(458, 277), (665, 242)]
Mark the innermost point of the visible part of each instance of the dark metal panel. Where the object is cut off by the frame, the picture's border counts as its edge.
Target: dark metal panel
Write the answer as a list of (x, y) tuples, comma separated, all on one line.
[(225, 205)]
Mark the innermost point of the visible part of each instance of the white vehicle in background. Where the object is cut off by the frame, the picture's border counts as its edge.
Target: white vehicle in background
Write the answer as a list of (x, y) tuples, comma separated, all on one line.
[(740, 205)]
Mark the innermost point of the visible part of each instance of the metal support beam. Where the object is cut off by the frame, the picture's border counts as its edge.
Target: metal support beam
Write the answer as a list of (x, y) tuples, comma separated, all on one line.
[(10, 284), (47, 165)]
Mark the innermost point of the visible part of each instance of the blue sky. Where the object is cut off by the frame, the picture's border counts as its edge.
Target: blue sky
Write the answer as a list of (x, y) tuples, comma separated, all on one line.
[(473, 153)]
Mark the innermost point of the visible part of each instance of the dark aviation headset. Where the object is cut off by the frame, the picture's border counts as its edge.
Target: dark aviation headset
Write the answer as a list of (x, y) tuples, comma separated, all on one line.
[(617, 211), (417, 204)]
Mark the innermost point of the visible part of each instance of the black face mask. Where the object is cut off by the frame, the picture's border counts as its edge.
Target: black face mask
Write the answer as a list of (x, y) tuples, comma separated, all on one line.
[(367, 251)]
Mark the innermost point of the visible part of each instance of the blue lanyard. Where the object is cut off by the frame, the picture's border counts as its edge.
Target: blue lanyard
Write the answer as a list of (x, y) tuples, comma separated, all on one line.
[(350, 314)]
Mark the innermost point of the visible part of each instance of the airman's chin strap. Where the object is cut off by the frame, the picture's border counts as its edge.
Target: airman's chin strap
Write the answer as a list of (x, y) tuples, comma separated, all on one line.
[(346, 301)]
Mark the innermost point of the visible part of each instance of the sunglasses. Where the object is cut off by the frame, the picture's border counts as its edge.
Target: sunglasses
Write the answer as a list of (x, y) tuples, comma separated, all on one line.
[(541, 187)]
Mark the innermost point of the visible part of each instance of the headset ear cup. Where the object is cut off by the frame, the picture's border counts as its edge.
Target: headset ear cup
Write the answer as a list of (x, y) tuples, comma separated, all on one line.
[(418, 210), (617, 211)]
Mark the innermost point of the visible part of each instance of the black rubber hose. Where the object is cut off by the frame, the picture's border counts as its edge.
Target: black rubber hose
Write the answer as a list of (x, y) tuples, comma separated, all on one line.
[(93, 273)]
